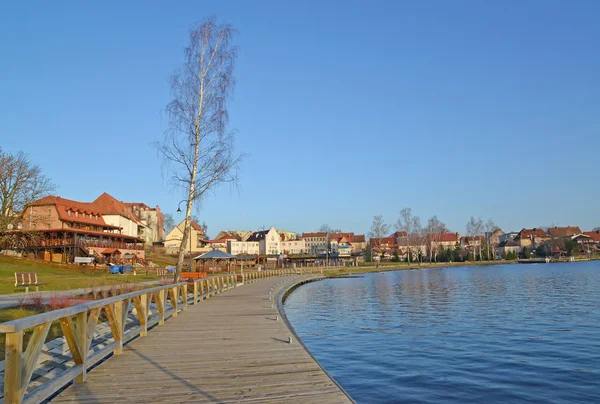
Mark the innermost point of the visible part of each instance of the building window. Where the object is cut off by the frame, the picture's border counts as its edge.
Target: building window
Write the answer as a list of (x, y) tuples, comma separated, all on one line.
[(68, 213), (76, 214)]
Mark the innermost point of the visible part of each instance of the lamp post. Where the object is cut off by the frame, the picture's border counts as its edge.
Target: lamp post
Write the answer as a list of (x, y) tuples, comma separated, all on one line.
[(189, 229)]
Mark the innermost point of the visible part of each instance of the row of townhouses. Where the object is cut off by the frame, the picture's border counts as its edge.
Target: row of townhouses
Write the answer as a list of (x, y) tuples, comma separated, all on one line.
[(106, 229), (551, 241), (268, 242)]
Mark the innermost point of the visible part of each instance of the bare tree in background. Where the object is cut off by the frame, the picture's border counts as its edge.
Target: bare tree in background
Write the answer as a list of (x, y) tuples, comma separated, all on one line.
[(378, 230), (169, 222), (475, 228), (328, 229), (417, 239), (411, 225), (21, 183), (432, 233), (489, 228), (198, 149)]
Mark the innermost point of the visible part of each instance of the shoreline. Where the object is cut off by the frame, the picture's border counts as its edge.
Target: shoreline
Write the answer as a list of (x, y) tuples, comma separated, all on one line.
[(336, 273)]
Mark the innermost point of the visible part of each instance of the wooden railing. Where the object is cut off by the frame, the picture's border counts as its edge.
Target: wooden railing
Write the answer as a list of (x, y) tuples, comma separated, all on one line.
[(79, 322)]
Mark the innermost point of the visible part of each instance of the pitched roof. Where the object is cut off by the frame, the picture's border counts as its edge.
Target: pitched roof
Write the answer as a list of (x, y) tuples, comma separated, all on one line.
[(359, 238), (446, 237), (398, 234), (258, 235), (564, 231), (108, 205), (530, 233), (594, 235), (315, 234), (225, 235), (338, 235), (215, 255), (86, 211)]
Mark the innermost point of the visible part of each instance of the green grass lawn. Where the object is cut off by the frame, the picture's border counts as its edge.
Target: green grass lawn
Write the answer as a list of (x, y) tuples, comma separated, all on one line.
[(59, 277)]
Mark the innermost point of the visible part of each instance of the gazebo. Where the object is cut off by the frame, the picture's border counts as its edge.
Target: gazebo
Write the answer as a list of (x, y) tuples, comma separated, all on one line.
[(216, 256), (557, 252)]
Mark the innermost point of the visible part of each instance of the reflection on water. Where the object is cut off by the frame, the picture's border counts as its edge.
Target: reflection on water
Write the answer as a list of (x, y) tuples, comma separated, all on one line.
[(507, 333)]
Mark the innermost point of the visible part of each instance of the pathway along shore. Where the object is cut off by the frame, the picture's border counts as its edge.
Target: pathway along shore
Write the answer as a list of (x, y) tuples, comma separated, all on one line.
[(233, 347)]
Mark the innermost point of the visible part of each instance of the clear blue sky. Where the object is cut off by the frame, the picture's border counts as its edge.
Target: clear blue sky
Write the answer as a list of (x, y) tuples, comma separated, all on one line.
[(454, 108)]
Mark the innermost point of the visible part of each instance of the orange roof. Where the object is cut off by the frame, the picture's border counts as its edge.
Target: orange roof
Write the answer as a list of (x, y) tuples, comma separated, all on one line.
[(530, 233), (594, 235), (359, 238), (446, 237), (108, 205), (86, 212)]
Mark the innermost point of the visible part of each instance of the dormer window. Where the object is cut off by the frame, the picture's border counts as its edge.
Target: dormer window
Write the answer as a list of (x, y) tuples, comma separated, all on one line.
[(96, 217), (83, 215), (76, 214), (68, 213)]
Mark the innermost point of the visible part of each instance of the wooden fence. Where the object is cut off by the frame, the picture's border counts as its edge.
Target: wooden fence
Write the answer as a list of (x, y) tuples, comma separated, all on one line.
[(152, 307)]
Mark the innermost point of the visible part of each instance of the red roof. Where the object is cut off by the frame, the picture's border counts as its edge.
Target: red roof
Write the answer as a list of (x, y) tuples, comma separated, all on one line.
[(315, 234), (594, 235), (446, 237), (359, 238), (108, 205), (530, 233), (111, 251), (398, 234), (86, 212)]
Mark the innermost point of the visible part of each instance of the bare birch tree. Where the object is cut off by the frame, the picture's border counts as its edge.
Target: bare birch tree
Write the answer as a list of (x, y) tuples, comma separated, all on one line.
[(474, 229), (408, 224), (432, 232), (379, 229), (490, 227), (198, 149)]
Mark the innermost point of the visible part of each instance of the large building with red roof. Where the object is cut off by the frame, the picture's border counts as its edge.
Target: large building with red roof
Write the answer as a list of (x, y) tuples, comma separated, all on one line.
[(58, 229)]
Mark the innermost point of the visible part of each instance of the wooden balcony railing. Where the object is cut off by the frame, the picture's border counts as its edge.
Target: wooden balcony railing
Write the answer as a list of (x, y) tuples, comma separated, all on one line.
[(152, 307)]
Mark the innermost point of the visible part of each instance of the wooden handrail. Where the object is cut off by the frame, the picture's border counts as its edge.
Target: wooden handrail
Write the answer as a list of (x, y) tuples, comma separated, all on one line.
[(79, 322)]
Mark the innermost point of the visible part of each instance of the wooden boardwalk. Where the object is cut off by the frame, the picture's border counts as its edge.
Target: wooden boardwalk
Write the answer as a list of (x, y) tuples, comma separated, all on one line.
[(232, 347)]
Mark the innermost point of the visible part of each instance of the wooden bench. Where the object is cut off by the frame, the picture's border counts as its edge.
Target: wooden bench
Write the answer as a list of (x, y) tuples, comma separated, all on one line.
[(27, 279), (193, 275)]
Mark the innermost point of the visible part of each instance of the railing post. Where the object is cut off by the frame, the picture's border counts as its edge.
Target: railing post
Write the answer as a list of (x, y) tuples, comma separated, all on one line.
[(174, 299), (13, 388), (184, 296), (81, 337), (118, 307), (196, 282), (144, 303), (162, 296)]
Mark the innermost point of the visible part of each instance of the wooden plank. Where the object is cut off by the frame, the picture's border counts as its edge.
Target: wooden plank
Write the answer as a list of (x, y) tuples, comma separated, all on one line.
[(239, 355)]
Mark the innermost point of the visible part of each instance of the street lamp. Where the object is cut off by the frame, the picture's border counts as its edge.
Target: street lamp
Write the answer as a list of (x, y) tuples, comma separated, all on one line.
[(190, 230)]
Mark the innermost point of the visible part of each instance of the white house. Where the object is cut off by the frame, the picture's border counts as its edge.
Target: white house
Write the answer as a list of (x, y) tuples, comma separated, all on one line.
[(293, 246), (269, 241), (235, 247)]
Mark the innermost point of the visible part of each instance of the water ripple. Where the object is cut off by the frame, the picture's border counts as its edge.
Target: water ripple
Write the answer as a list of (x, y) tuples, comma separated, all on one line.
[(508, 333)]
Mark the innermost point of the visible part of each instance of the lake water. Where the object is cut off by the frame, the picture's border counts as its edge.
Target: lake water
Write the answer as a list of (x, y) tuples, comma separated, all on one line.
[(494, 334)]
